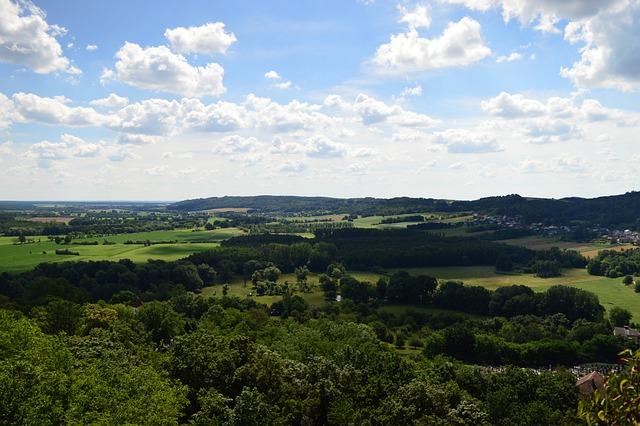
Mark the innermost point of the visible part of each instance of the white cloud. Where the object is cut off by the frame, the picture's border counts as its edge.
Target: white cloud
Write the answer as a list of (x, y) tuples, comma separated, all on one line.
[(46, 153), (283, 85), (611, 50), (508, 105), (111, 101), (209, 39), (418, 18), (289, 117), (549, 131), (155, 117), (92, 47), (235, 144), (272, 75), (542, 14), (216, 117), (373, 111), (27, 39), (460, 141), (460, 44), (159, 69), (7, 113), (514, 56), (54, 111), (608, 30), (321, 147), (134, 139), (412, 91)]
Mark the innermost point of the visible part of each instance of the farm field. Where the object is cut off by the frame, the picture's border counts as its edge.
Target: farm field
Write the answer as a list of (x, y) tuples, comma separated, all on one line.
[(22, 257)]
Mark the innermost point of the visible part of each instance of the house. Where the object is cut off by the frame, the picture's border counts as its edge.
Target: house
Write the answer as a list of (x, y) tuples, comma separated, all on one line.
[(626, 331), (590, 383)]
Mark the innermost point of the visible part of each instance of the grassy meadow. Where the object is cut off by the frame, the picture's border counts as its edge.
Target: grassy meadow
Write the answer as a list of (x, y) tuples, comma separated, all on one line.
[(22, 257)]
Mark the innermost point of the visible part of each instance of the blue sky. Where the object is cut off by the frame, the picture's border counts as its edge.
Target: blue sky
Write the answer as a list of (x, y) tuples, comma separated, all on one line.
[(455, 99)]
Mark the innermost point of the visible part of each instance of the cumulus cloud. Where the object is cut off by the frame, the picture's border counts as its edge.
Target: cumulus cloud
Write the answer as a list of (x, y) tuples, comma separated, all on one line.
[(46, 153), (235, 144), (541, 14), (54, 111), (417, 18), (508, 105), (514, 56), (274, 76), (153, 117), (160, 70), (27, 39), (208, 39), (460, 141), (608, 32), (610, 55), (92, 47), (321, 147), (6, 112), (134, 139), (295, 115), (373, 111), (216, 117), (111, 101), (549, 131), (460, 44)]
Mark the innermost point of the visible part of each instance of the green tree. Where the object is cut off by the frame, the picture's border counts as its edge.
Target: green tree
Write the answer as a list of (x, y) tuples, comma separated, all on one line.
[(619, 402), (161, 321), (35, 373), (619, 317)]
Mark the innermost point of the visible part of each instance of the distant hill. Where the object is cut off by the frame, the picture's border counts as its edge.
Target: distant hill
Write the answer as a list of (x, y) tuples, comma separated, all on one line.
[(610, 211), (16, 205), (293, 204)]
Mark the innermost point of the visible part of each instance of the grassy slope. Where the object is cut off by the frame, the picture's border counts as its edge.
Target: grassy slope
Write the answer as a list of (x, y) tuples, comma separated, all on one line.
[(22, 257)]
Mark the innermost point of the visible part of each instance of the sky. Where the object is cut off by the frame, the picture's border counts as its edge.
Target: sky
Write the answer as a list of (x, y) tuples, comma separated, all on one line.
[(451, 99)]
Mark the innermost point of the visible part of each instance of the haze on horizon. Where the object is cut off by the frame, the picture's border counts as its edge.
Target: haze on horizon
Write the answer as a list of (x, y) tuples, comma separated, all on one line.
[(449, 99)]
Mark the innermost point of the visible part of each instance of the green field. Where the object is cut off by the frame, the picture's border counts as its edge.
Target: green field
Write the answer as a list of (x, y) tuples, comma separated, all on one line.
[(22, 257)]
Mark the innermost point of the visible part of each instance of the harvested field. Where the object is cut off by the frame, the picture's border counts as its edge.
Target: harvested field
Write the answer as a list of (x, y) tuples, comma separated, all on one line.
[(59, 219), (228, 210)]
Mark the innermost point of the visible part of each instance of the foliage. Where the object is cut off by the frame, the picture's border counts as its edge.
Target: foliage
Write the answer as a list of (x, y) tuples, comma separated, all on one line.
[(619, 402)]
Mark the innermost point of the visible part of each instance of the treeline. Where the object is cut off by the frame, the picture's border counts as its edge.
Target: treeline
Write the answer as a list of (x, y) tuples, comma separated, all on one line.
[(403, 288), (83, 282), (614, 264)]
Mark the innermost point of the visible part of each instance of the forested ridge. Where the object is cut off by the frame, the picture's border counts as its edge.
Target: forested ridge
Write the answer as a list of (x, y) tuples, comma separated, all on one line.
[(616, 211)]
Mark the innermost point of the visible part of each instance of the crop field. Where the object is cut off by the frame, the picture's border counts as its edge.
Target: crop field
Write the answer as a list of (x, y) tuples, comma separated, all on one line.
[(22, 257)]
